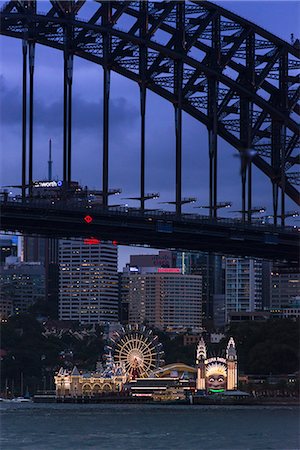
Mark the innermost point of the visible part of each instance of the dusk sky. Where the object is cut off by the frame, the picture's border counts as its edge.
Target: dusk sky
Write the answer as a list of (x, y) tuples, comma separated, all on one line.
[(279, 17)]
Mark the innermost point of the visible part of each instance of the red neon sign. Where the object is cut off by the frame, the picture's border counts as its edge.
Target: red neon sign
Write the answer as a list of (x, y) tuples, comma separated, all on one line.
[(91, 241), (88, 219), (169, 270)]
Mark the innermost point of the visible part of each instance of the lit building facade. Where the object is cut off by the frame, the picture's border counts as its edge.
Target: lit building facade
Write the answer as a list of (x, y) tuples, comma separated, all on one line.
[(45, 251), (21, 284), (243, 285), (216, 374), (7, 248), (285, 288), (211, 268), (88, 281), (165, 300), (90, 384)]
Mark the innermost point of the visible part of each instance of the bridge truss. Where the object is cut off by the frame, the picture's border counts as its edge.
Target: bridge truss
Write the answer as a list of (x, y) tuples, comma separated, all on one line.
[(239, 80)]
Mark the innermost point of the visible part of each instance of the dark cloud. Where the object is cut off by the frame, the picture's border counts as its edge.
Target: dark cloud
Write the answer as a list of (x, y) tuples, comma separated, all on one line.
[(86, 114)]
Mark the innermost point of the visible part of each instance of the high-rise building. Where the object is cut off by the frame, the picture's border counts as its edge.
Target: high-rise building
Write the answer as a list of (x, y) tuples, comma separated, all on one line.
[(243, 285), (21, 283), (166, 300), (45, 251), (285, 288), (210, 267), (88, 281), (7, 248)]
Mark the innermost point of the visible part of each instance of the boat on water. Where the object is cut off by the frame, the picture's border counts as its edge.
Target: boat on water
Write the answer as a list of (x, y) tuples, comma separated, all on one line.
[(21, 400)]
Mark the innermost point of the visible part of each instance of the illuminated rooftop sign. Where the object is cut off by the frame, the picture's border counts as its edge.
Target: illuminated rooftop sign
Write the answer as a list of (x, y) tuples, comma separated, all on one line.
[(91, 241), (47, 184), (169, 270)]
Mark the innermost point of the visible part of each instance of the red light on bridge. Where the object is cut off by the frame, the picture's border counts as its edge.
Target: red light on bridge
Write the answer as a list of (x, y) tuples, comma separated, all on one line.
[(88, 219), (91, 241), (115, 242)]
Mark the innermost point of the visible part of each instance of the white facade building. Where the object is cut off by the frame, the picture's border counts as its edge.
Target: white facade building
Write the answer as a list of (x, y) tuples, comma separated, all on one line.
[(88, 281), (243, 285)]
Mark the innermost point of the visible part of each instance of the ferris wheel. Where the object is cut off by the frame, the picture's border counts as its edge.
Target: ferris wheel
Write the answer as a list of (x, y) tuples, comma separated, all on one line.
[(136, 349)]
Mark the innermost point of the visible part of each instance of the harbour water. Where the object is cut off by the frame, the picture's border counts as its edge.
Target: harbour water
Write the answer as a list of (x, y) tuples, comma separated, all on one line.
[(147, 427)]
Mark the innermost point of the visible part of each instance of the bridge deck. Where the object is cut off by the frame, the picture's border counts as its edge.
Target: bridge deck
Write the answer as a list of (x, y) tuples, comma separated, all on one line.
[(160, 229)]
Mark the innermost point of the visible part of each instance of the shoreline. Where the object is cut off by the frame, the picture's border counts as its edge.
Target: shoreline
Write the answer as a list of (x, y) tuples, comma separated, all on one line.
[(147, 401)]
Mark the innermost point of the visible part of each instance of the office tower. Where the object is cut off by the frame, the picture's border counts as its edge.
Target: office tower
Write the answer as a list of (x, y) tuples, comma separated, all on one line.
[(45, 251), (165, 300), (21, 283), (243, 285), (88, 281), (211, 268), (285, 288), (7, 248)]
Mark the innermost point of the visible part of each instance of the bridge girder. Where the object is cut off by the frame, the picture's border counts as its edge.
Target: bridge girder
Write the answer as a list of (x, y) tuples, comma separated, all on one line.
[(257, 74)]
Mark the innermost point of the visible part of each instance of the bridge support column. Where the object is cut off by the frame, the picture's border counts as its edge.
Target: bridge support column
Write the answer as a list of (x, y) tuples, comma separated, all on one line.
[(70, 81), (244, 178), (213, 164), (213, 145), (106, 20), (24, 117), (249, 218), (278, 156), (277, 133), (31, 86), (275, 201), (106, 91), (178, 81), (212, 112), (282, 170), (65, 142), (246, 123), (143, 69), (143, 117), (283, 202), (178, 134)]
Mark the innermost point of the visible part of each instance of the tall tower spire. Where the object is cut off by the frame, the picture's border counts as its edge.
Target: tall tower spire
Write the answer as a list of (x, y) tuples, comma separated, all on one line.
[(50, 161), (201, 350), (231, 357), (200, 364)]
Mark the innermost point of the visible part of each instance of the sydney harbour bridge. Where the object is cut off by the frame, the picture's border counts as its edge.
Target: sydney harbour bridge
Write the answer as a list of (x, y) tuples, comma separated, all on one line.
[(236, 78)]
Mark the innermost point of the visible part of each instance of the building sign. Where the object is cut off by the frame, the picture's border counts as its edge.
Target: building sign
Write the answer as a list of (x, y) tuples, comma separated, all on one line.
[(47, 184), (91, 241), (169, 270), (216, 374)]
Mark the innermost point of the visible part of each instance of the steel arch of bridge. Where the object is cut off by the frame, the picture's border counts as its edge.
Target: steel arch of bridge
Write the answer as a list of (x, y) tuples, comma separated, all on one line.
[(239, 80)]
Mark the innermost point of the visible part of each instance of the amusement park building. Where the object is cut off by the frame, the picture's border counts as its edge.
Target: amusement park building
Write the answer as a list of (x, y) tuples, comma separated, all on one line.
[(211, 375)]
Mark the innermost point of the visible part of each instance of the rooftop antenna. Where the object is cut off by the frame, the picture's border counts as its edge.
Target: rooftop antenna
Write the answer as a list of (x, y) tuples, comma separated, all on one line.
[(50, 162)]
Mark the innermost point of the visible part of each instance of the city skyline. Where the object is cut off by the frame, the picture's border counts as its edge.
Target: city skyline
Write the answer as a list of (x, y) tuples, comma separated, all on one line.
[(172, 128)]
